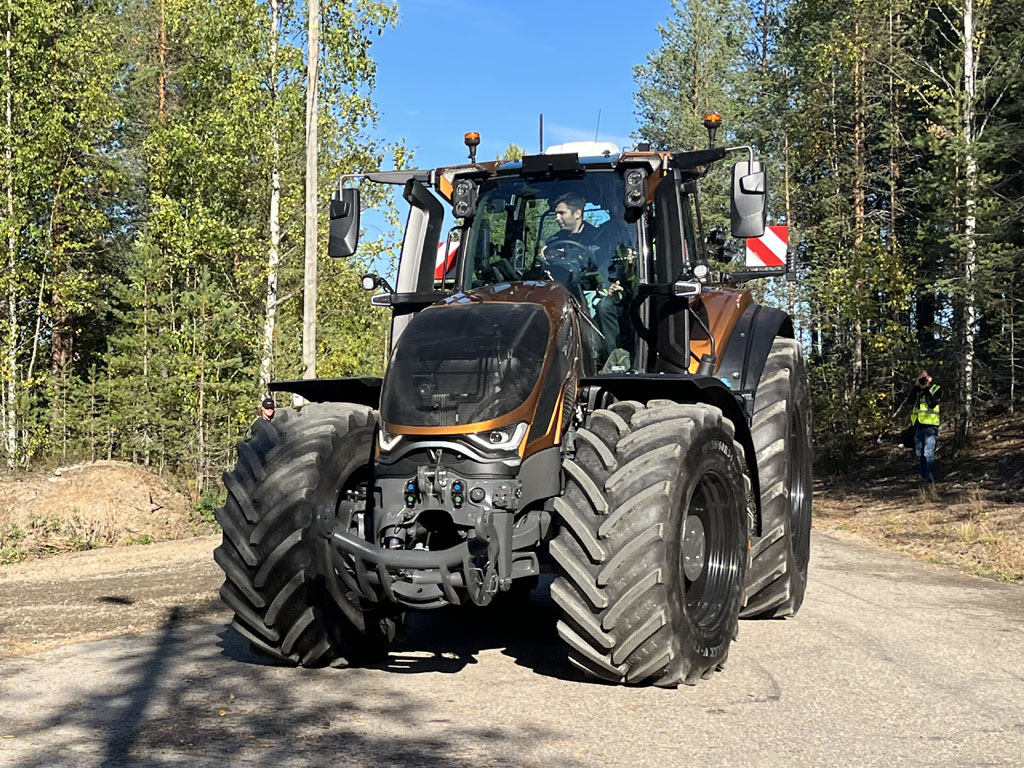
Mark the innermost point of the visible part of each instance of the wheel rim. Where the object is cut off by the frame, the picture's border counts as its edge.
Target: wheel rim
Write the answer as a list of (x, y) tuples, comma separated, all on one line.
[(694, 552), (799, 480), (708, 560)]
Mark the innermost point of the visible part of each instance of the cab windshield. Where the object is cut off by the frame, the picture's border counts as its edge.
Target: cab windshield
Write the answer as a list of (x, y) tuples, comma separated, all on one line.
[(570, 230)]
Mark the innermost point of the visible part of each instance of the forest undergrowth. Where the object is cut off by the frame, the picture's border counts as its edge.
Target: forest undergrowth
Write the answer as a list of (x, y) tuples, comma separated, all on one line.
[(972, 518)]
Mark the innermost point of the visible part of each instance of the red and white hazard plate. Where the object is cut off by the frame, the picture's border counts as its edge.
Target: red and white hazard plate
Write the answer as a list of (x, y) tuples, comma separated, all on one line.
[(445, 261), (769, 250)]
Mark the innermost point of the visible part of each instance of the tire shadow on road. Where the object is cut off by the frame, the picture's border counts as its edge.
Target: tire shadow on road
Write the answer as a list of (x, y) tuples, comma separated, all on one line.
[(171, 698), (450, 639)]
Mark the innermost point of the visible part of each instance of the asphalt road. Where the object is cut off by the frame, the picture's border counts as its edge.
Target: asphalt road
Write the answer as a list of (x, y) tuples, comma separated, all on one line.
[(891, 662)]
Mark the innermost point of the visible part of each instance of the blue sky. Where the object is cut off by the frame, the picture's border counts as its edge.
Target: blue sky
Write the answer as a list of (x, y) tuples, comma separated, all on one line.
[(453, 66)]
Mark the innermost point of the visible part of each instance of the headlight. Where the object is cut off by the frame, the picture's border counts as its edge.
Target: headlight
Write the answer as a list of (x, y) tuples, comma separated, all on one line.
[(503, 439), (387, 441)]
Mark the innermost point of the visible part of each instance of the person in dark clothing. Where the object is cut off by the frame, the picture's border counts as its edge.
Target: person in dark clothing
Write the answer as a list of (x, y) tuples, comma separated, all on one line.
[(569, 209), (575, 242), (267, 408), (580, 254), (923, 398)]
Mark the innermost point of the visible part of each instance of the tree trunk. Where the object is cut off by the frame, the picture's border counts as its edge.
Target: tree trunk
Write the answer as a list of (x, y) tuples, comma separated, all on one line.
[(10, 411), (1013, 346), (969, 318), (200, 335), (274, 252), (860, 161), (894, 135), (161, 77), (312, 181), (39, 329), (62, 340)]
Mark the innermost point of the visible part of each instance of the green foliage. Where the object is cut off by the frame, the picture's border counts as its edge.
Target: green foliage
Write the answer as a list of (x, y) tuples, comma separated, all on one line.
[(696, 70), (202, 510), (861, 111), (512, 152), (10, 545), (138, 234)]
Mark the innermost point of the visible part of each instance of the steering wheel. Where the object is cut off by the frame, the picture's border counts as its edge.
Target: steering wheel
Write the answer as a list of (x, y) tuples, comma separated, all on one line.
[(568, 246)]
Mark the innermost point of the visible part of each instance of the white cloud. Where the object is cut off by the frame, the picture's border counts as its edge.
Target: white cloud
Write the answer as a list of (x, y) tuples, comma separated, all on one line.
[(555, 133)]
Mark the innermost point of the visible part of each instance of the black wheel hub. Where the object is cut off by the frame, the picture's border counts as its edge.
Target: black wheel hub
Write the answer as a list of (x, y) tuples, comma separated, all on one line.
[(707, 554)]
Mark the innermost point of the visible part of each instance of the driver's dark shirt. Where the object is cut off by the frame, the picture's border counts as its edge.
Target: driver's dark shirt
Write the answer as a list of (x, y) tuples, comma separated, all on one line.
[(587, 236)]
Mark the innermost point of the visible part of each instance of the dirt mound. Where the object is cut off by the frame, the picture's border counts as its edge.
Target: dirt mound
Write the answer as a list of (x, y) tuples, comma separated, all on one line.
[(106, 503)]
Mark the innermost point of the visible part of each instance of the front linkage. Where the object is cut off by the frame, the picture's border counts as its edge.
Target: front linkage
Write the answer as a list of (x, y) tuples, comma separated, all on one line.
[(420, 578)]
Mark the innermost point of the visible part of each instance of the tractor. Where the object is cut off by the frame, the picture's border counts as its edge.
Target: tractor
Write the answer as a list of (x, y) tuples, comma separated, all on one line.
[(575, 387)]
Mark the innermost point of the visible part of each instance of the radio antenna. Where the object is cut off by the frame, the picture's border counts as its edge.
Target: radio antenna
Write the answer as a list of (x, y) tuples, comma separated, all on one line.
[(598, 128)]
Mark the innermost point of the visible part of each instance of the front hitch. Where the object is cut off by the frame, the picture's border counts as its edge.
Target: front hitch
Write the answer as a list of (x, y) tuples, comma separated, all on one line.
[(415, 578)]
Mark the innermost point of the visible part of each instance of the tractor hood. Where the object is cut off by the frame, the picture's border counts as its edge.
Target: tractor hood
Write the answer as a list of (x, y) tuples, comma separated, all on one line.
[(488, 359)]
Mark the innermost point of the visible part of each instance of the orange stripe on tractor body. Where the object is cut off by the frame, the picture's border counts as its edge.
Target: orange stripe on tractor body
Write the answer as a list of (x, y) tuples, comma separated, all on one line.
[(724, 307)]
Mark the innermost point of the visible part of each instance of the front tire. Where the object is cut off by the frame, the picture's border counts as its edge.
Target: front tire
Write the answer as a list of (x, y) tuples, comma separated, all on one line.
[(781, 432), (279, 573), (651, 550)]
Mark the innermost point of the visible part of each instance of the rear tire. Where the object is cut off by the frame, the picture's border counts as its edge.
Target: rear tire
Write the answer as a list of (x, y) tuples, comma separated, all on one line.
[(781, 432), (641, 600), (280, 578)]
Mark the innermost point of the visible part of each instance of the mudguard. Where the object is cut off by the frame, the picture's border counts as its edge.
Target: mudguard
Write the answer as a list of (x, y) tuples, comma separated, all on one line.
[(683, 388), (362, 390), (745, 354)]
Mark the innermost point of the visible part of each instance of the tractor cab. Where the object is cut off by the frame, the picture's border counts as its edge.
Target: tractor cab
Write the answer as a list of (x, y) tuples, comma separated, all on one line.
[(621, 231), (573, 231)]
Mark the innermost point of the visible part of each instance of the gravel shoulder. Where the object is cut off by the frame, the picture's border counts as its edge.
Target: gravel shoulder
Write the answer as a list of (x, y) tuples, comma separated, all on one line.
[(105, 593), (971, 520)]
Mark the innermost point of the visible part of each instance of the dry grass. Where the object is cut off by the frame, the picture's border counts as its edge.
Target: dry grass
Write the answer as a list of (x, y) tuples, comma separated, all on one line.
[(84, 507)]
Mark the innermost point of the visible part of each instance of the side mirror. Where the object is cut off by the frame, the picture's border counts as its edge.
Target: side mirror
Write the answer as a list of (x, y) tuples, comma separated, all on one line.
[(749, 207), (344, 224)]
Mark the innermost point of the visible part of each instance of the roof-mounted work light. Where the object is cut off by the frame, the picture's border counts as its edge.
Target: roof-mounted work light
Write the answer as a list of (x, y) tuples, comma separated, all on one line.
[(636, 188), (712, 121), (464, 194), (472, 140)]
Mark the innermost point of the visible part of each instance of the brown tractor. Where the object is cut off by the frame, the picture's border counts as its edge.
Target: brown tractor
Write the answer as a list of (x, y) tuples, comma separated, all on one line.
[(575, 392)]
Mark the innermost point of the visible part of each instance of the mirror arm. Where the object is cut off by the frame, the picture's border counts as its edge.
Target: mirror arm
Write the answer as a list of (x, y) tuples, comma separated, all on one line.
[(745, 148), (400, 178)]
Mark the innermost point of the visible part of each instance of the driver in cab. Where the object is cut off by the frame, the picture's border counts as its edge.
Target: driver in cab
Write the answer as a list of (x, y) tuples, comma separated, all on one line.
[(584, 251), (572, 229), (572, 252), (577, 244)]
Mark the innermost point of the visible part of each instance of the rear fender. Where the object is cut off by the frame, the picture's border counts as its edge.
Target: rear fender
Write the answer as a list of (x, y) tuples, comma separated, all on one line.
[(362, 390), (747, 351)]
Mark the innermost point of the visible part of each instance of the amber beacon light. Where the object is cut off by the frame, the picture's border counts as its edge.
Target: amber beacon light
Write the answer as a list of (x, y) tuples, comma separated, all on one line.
[(472, 140), (712, 121)]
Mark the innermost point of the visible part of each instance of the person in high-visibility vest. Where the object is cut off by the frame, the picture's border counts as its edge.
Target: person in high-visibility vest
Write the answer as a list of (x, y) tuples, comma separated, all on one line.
[(924, 397)]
